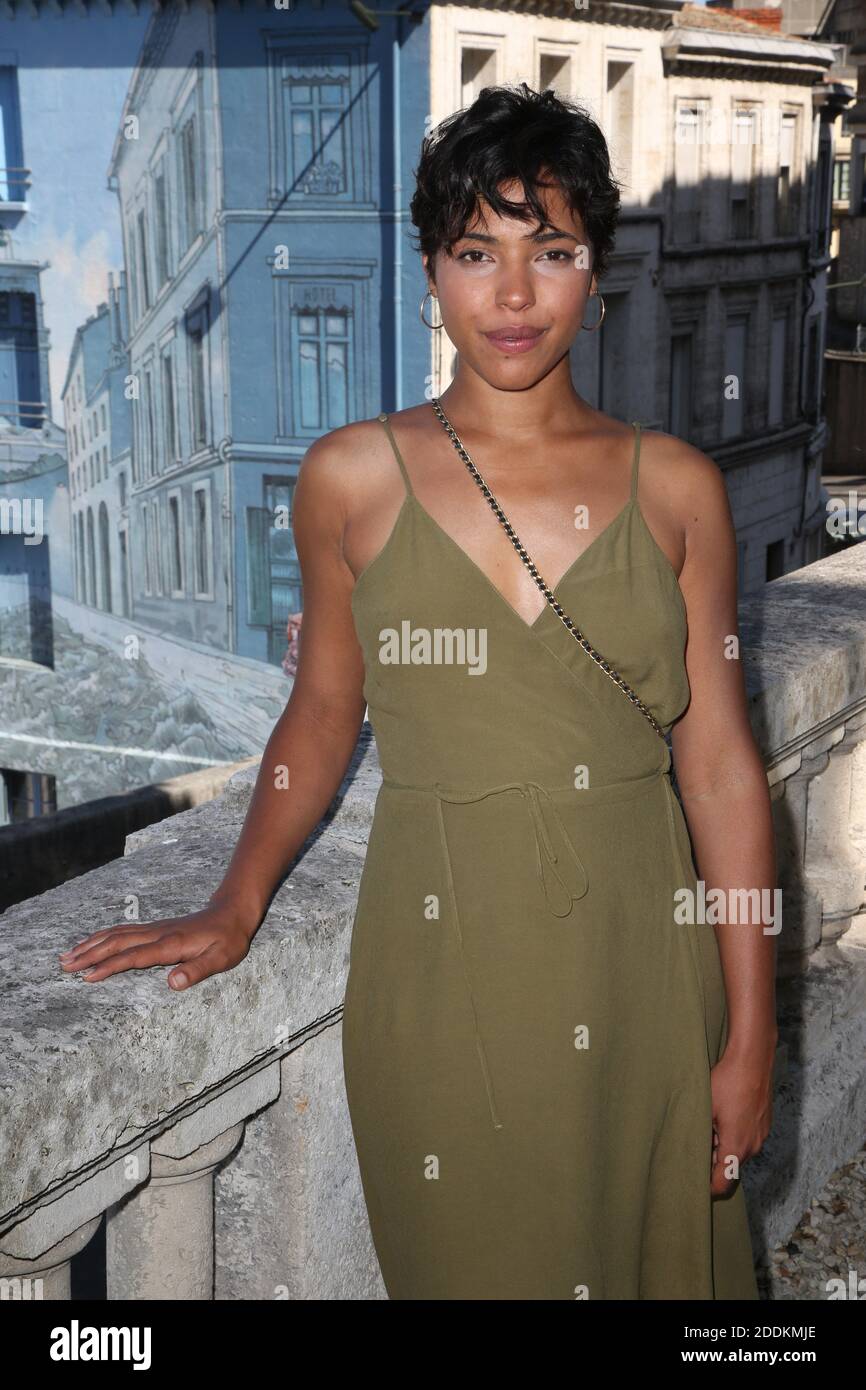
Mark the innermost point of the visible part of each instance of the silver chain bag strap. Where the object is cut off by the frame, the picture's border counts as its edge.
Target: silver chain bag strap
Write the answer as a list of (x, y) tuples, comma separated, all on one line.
[(533, 570)]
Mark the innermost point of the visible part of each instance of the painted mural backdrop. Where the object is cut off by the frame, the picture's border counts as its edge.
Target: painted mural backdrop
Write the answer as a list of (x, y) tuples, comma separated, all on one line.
[(192, 245)]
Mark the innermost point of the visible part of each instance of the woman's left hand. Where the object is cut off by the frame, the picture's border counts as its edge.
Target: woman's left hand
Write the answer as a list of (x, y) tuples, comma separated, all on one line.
[(742, 1092)]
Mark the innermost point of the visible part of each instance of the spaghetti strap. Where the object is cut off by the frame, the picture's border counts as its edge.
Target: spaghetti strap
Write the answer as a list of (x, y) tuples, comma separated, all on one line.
[(636, 459), (397, 454)]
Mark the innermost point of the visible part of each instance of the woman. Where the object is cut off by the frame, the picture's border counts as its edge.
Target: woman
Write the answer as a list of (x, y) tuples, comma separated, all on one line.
[(552, 1077)]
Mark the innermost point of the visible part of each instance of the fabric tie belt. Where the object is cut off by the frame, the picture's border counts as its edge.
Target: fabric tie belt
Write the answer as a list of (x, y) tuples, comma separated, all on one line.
[(562, 875)]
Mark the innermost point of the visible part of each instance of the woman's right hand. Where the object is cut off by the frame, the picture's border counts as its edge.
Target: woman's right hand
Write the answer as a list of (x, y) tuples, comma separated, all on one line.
[(214, 939)]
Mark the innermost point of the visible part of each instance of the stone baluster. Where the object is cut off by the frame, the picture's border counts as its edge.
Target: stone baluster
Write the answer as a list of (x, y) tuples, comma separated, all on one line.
[(160, 1238)]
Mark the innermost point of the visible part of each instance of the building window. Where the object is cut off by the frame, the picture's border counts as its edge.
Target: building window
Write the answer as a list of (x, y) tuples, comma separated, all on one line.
[(620, 119), (554, 72), (315, 105), (775, 562), (202, 542), (477, 70), (189, 183), (152, 549), (91, 560), (134, 297), (143, 260), (145, 529), (175, 546), (320, 357), (734, 374), (104, 560), (785, 209), (82, 560), (160, 211), (681, 384), (688, 165), (168, 407), (813, 369), (743, 147), (13, 176), (121, 487), (104, 422), (123, 542), (778, 366), (841, 180), (149, 432), (20, 390), (197, 324)]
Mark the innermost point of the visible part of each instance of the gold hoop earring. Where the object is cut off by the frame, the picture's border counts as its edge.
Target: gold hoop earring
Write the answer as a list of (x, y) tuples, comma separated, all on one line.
[(595, 326), (434, 326)]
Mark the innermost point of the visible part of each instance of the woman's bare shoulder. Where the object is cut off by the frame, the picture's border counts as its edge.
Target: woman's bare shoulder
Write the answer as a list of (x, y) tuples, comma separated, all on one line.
[(690, 482), (347, 465)]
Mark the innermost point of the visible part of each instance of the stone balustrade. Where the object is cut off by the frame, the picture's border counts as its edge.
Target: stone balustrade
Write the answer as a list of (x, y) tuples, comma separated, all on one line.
[(209, 1129)]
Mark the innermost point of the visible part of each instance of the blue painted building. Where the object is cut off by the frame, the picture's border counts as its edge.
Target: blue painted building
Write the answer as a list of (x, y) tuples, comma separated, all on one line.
[(257, 166), (58, 71), (32, 462), (98, 421)]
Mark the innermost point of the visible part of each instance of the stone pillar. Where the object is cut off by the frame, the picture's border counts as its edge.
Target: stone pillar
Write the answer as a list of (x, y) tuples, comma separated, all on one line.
[(159, 1241), (834, 864), (47, 1276), (160, 1238)]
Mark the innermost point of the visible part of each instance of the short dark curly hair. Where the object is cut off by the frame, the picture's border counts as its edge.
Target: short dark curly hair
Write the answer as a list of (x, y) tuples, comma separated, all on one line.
[(513, 132)]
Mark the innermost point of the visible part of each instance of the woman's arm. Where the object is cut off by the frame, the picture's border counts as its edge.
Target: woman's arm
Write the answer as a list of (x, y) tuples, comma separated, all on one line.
[(303, 763), (308, 752), (726, 801)]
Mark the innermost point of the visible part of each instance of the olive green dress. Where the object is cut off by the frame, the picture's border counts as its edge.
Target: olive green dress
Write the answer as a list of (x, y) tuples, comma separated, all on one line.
[(528, 1031)]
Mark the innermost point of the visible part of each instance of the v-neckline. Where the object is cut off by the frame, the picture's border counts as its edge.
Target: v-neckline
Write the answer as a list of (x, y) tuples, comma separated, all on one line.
[(555, 589)]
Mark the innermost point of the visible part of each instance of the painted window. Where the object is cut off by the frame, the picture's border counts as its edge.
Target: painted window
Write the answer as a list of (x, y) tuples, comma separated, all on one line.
[(202, 541), (160, 213), (169, 417), (13, 176), (197, 327), (189, 179), (320, 354), (315, 103), (175, 545)]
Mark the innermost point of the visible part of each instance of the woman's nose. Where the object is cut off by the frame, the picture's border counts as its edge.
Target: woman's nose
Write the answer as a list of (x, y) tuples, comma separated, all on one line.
[(515, 289)]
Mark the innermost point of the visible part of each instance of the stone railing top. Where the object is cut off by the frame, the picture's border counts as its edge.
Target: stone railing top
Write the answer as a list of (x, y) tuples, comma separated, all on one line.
[(88, 1070), (803, 641)]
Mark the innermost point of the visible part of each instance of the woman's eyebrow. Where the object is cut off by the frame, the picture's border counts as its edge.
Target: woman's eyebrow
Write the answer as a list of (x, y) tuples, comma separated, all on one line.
[(555, 235)]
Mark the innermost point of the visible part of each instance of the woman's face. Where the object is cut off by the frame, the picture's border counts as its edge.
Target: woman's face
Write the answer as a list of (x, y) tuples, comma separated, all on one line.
[(504, 274)]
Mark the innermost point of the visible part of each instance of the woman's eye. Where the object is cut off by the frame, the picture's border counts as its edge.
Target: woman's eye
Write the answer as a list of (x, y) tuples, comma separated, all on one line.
[(555, 252), (473, 252)]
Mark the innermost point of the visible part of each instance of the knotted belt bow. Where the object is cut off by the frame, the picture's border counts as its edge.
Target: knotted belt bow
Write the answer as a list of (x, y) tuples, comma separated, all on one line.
[(563, 879)]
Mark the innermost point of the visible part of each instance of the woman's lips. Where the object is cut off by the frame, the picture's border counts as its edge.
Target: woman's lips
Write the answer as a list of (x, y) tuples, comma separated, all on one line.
[(510, 343)]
